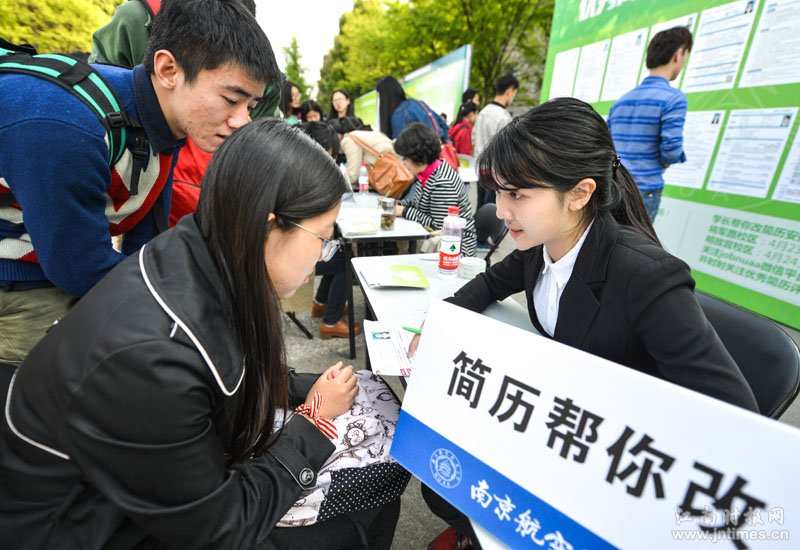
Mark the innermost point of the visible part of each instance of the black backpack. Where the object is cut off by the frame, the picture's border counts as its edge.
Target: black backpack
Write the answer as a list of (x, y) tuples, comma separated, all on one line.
[(82, 81)]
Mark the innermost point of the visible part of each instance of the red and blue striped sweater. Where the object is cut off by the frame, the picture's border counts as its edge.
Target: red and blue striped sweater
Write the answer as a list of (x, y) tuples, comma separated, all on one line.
[(53, 157)]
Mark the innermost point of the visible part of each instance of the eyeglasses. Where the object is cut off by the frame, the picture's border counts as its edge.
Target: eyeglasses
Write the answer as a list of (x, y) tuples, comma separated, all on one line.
[(329, 246)]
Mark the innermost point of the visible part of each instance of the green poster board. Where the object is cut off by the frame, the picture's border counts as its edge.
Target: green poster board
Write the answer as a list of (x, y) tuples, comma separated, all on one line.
[(732, 211), (439, 84)]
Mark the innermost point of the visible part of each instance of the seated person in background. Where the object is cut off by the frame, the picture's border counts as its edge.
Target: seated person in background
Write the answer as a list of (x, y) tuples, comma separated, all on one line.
[(354, 152), (437, 185), (163, 381), (310, 111), (331, 296), (589, 261), (461, 130)]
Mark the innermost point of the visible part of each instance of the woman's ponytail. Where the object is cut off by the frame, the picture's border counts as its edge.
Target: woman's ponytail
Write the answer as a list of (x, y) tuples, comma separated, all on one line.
[(629, 207)]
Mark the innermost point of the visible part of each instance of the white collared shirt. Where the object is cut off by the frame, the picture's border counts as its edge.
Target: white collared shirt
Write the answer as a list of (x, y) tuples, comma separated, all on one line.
[(551, 282)]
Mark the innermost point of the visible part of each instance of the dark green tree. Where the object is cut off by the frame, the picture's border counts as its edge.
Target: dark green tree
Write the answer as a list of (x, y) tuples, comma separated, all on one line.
[(294, 70), (380, 37)]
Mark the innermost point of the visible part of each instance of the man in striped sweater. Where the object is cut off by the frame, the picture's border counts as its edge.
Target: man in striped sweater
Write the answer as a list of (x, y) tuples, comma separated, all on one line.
[(647, 122), (206, 67)]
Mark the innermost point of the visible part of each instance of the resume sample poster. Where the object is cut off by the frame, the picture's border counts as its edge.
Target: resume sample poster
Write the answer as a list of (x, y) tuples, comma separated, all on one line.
[(591, 67), (687, 21), (700, 136), (564, 68), (623, 65), (788, 188), (750, 151), (719, 46), (775, 53)]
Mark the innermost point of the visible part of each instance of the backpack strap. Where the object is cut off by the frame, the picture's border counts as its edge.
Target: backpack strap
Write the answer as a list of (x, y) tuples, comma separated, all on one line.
[(82, 81), (78, 78)]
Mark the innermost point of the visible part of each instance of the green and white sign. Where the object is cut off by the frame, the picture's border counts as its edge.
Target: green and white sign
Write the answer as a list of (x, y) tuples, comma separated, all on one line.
[(439, 84), (732, 211)]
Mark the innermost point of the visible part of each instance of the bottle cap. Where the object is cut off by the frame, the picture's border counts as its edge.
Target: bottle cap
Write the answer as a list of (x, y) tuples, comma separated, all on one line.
[(452, 210)]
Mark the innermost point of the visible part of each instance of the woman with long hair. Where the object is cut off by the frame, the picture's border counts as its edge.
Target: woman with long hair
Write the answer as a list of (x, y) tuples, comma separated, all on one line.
[(145, 416), (340, 105), (588, 259), (396, 111), (461, 130), (290, 103)]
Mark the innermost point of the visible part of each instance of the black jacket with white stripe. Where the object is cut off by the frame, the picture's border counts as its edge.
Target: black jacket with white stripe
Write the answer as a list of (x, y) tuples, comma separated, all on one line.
[(116, 428)]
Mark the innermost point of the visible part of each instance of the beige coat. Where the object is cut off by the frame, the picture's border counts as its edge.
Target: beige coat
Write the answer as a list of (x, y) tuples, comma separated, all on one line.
[(356, 155)]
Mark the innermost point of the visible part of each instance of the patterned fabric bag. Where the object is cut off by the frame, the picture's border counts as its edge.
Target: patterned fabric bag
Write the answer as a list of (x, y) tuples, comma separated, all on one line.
[(360, 474)]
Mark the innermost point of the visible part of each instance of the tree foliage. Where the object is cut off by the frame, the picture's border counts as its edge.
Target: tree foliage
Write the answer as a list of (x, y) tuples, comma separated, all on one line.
[(54, 25), (380, 37), (294, 69)]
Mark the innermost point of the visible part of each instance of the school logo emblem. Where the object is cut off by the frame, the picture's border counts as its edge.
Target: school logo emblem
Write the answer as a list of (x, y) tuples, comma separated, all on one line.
[(446, 468)]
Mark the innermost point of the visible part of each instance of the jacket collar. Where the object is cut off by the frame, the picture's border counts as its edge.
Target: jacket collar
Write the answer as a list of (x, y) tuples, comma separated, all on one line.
[(183, 278), (579, 304), (151, 117)]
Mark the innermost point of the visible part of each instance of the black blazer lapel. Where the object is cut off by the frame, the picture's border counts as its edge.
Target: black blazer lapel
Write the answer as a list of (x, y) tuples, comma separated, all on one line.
[(534, 269), (579, 304)]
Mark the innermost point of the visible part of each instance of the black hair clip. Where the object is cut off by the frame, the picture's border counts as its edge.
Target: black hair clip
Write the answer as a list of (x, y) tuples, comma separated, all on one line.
[(614, 165)]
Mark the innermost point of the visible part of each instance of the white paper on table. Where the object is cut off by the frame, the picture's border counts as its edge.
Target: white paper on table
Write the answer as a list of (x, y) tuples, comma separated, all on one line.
[(623, 64), (750, 150), (387, 345), (719, 46), (687, 21), (700, 136), (774, 56)]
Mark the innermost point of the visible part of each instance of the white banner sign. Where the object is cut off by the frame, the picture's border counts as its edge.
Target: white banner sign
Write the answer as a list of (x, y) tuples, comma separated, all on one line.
[(546, 446)]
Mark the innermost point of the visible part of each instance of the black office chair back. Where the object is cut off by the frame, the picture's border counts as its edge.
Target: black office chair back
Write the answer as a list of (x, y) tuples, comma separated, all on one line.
[(768, 358), (486, 221)]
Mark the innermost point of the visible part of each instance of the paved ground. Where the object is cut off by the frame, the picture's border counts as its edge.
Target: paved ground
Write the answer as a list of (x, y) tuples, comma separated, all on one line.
[(417, 525)]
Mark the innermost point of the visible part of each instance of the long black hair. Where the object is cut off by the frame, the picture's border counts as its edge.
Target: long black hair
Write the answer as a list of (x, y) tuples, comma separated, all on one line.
[(557, 144), (308, 106), (333, 114), (464, 110), (253, 174), (286, 98), (390, 96)]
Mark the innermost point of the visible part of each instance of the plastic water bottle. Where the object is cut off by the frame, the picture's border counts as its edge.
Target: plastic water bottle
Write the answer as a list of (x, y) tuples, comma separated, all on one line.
[(450, 245), (363, 179)]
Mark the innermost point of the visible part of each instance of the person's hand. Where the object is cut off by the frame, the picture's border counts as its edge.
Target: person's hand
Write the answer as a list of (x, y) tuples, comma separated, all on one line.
[(398, 210), (412, 347), (338, 388)]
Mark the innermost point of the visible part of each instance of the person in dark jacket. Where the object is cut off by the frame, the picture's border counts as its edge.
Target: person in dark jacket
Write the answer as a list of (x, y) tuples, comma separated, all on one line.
[(145, 416), (588, 259)]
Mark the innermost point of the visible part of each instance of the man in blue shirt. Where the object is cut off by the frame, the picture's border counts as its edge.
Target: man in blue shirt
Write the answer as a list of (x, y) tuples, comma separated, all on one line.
[(647, 122)]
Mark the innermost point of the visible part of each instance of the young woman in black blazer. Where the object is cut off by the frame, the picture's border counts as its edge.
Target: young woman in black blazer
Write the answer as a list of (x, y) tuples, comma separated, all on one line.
[(566, 198)]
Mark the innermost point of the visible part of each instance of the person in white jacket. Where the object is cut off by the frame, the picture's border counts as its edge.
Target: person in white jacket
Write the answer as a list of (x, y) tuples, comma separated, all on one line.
[(491, 120)]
